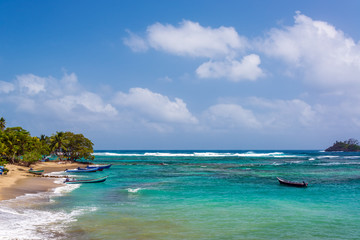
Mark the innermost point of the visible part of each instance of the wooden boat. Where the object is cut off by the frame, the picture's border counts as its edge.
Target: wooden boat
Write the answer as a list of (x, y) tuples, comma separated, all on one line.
[(293, 184), (74, 181), (99, 166), (81, 170), (37, 172)]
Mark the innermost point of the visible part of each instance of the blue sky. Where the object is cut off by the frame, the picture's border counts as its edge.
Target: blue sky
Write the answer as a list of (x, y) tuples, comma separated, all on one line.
[(183, 74)]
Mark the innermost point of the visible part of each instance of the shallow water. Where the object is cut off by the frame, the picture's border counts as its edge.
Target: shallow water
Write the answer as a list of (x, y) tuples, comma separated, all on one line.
[(209, 195)]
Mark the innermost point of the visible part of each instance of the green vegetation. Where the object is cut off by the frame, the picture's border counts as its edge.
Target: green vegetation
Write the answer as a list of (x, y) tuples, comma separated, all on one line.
[(17, 146), (351, 145)]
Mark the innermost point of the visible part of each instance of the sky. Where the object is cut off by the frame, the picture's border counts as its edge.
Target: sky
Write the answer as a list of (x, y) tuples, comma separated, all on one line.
[(161, 75)]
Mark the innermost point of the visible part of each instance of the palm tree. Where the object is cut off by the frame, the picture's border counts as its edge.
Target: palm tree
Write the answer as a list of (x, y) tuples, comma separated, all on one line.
[(58, 143), (2, 123), (12, 145)]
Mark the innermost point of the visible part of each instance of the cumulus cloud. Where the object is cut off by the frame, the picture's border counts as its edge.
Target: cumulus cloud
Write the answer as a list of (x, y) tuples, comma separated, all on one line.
[(231, 116), (247, 69), (155, 106), (192, 39), (66, 101), (87, 100), (325, 54), (284, 113), (260, 114), (136, 43), (47, 95), (69, 83), (6, 87), (31, 84), (221, 45)]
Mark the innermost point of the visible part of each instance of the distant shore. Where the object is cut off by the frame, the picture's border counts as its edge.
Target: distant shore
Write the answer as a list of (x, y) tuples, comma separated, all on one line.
[(19, 182)]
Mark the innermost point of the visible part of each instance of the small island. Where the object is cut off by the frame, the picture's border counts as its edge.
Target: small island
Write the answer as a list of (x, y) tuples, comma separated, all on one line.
[(351, 145)]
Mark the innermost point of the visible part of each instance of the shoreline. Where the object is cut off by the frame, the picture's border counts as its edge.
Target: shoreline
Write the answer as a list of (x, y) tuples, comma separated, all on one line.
[(19, 182)]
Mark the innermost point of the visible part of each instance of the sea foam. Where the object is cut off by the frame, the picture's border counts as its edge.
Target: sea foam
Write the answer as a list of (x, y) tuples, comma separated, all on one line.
[(32, 223), (133, 190), (249, 154), (24, 217)]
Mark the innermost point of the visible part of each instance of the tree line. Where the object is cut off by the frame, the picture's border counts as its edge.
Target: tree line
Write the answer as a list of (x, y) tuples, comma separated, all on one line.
[(17, 146)]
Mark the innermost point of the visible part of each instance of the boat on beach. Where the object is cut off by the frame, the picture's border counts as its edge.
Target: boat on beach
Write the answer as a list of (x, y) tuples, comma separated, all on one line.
[(293, 184), (99, 166), (81, 170), (95, 180), (37, 172)]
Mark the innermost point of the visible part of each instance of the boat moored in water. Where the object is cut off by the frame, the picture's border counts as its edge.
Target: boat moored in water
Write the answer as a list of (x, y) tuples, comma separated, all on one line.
[(293, 184), (81, 170), (99, 166), (95, 180), (37, 172)]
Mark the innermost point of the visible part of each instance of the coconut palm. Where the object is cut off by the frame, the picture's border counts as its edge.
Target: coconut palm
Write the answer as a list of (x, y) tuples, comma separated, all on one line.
[(12, 145), (58, 143)]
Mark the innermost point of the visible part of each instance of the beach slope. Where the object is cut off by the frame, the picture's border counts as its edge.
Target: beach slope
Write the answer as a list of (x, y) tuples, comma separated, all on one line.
[(19, 182)]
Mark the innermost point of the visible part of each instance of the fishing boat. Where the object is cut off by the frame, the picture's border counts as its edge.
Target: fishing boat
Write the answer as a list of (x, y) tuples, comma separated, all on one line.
[(95, 180), (81, 170), (99, 166), (293, 184), (37, 172)]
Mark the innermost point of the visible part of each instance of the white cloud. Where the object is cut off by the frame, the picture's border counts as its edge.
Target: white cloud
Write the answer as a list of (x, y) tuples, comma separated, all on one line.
[(221, 45), (155, 106), (265, 115), (325, 54), (136, 43), (247, 69), (6, 87), (69, 83), (284, 113), (31, 84), (166, 79), (90, 102), (192, 39), (65, 101), (64, 98), (231, 116)]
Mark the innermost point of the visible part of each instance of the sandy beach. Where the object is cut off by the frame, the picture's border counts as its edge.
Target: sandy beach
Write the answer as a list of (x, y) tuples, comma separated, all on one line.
[(19, 182)]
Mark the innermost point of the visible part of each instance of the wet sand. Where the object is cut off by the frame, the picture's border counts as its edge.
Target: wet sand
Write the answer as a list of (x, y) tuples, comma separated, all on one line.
[(19, 182)]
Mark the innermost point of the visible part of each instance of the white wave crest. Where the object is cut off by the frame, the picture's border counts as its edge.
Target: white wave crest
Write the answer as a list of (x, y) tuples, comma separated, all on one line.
[(202, 154), (253, 154), (158, 154), (133, 190), (19, 222), (277, 164), (65, 188), (116, 154), (211, 154), (352, 157), (338, 163), (327, 157)]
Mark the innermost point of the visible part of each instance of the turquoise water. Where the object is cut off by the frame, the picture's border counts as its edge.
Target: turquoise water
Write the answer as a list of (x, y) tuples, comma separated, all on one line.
[(214, 195)]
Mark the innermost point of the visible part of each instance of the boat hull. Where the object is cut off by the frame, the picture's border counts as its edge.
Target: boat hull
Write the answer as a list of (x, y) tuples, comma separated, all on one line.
[(98, 180), (85, 170), (292, 184), (99, 166), (37, 172)]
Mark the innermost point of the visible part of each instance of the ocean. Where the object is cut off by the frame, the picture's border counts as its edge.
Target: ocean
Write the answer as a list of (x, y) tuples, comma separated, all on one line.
[(197, 195)]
